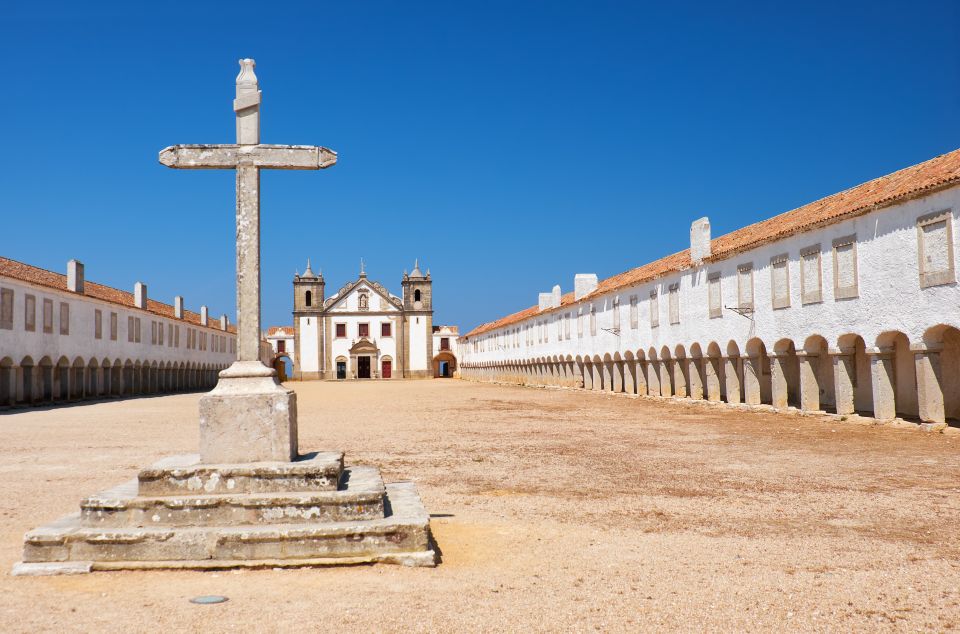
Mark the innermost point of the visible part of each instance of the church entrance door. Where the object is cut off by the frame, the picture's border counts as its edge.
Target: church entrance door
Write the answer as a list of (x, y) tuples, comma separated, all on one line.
[(387, 369), (363, 367), (341, 369)]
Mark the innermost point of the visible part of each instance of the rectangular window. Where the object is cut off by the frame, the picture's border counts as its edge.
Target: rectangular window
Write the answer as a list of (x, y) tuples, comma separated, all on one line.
[(593, 320), (64, 318), (363, 330), (6, 308), (113, 326), (674, 302), (341, 330), (29, 313), (48, 316), (153, 333), (654, 309), (634, 312), (811, 275), (580, 323), (386, 329), (160, 333), (131, 329), (136, 324), (566, 325), (616, 314), (780, 281), (845, 284), (203, 341), (714, 295), (97, 324), (176, 336), (745, 287), (935, 249), (444, 343), (282, 345)]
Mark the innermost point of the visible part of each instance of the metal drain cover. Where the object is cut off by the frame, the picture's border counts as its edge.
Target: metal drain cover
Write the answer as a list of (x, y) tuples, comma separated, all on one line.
[(209, 599)]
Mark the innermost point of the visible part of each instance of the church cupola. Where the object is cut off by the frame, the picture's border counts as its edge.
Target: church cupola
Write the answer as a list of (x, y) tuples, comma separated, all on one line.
[(417, 289), (308, 291)]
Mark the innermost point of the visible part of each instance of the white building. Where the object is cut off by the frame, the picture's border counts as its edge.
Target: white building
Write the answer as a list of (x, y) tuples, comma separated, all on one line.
[(281, 340), (445, 346), (849, 303), (363, 331), (63, 338)]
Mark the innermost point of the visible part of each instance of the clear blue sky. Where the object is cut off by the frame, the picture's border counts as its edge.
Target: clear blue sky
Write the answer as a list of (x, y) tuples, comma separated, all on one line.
[(508, 145)]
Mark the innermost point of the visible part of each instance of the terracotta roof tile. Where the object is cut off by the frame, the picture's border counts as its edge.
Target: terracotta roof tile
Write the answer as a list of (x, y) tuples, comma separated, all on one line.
[(58, 281), (907, 183), (280, 330)]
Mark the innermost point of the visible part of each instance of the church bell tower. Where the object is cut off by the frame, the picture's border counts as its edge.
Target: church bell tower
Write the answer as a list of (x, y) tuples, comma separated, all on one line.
[(417, 289), (308, 296), (418, 323)]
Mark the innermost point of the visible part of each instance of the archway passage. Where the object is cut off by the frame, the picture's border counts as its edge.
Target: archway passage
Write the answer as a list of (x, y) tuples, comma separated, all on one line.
[(444, 365)]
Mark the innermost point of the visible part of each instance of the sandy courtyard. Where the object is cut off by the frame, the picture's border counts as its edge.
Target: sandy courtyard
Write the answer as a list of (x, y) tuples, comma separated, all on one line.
[(554, 510)]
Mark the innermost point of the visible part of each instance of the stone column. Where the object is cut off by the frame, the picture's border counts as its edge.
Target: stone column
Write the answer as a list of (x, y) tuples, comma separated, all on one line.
[(929, 382), (752, 374), (882, 383), (809, 383), (712, 370), (844, 377), (630, 376), (653, 377), (731, 367), (618, 376), (598, 376), (779, 387), (665, 371), (696, 381), (679, 380)]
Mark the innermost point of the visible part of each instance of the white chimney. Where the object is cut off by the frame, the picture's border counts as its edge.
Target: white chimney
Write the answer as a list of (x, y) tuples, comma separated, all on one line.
[(700, 240), (556, 296), (178, 306), (203, 316), (223, 322), (544, 300), (140, 295), (75, 276), (584, 284)]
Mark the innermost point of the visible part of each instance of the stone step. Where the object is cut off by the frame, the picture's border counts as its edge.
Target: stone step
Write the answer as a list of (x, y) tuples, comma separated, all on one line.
[(402, 536), (360, 497), (184, 475)]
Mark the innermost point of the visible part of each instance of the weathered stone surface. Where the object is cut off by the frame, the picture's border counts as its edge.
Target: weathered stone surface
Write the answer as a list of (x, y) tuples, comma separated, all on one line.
[(360, 497), (185, 474)]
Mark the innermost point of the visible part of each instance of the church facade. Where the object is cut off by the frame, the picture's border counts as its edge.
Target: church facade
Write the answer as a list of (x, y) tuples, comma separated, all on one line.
[(363, 331)]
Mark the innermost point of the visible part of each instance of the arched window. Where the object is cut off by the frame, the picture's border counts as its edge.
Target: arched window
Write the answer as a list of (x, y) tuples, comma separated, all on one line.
[(309, 298), (416, 295)]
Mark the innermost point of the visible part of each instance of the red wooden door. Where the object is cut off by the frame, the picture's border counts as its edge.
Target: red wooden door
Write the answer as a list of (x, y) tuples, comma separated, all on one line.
[(387, 369)]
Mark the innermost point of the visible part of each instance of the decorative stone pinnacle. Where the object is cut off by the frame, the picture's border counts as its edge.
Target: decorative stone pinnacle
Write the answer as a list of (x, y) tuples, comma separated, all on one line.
[(247, 77), (363, 272)]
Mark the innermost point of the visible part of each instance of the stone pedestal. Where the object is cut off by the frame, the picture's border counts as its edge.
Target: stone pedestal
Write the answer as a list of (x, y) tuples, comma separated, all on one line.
[(248, 417)]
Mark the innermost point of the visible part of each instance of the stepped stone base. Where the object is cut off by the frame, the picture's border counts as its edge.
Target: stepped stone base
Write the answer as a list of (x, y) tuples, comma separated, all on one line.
[(183, 514)]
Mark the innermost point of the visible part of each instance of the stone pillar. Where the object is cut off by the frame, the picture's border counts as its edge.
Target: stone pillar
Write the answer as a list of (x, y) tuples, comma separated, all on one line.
[(712, 371), (929, 383), (731, 367), (696, 381), (641, 376), (618, 376), (664, 372), (752, 374), (882, 383), (779, 387), (630, 376), (679, 380), (844, 377), (598, 376), (809, 383), (653, 377)]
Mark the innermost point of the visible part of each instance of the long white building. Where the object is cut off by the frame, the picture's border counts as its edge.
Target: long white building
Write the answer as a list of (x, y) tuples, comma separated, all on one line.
[(65, 338), (847, 304)]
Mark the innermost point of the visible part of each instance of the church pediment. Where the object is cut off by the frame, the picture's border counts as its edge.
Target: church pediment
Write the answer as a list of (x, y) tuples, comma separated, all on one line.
[(363, 295), (363, 346)]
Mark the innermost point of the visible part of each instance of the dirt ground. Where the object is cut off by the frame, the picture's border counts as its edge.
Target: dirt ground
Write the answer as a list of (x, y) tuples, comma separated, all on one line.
[(554, 510)]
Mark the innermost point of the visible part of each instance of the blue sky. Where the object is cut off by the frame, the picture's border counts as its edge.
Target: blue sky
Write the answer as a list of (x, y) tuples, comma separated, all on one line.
[(508, 145)]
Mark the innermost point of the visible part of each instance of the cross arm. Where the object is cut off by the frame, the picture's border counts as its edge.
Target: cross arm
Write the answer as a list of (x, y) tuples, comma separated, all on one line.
[(290, 157)]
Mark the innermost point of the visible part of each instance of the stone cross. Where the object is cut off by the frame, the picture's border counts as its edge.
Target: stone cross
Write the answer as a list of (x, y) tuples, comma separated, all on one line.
[(248, 416)]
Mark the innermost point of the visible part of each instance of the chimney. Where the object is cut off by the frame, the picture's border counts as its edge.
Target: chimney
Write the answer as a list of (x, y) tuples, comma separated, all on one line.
[(140, 295), (223, 322), (556, 296), (545, 300), (75, 276), (584, 284), (178, 306), (203, 316), (700, 240)]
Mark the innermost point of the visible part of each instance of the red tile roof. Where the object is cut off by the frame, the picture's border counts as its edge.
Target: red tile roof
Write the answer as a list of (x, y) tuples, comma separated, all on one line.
[(280, 330), (907, 183), (42, 277)]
